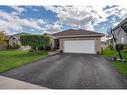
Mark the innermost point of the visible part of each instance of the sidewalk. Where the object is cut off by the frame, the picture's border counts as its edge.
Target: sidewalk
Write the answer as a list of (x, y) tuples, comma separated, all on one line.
[(8, 83)]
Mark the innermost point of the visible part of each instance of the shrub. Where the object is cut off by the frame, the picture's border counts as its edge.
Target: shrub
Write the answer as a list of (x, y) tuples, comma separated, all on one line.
[(110, 47), (35, 41), (125, 47), (98, 53), (124, 50), (9, 47), (47, 48), (120, 46), (40, 48), (31, 50), (16, 46)]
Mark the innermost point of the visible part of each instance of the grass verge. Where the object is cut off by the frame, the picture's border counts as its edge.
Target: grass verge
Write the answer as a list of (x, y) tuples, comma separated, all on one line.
[(10, 59), (120, 66)]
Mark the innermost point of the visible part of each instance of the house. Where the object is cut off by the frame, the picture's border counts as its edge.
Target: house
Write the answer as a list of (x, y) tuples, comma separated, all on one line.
[(15, 39), (120, 32), (104, 43), (78, 41)]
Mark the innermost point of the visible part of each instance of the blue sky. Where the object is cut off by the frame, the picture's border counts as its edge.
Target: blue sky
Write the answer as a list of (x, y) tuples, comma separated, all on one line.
[(51, 19)]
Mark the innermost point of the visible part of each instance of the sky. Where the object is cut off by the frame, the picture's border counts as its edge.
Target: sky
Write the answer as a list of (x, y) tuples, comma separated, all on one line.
[(52, 19)]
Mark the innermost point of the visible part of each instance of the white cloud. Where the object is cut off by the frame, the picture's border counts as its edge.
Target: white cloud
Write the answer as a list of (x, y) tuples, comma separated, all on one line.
[(10, 22), (119, 11), (52, 28), (86, 17), (18, 8), (79, 16), (75, 15)]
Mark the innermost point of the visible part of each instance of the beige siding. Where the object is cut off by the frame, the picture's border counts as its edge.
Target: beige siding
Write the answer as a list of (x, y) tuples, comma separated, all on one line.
[(51, 42), (61, 44), (97, 42)]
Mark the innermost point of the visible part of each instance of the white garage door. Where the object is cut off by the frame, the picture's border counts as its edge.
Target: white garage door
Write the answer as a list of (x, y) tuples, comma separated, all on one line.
[(79, 46)]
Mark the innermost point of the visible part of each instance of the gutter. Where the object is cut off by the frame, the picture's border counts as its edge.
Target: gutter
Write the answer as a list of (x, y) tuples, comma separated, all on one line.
[(99, 35)]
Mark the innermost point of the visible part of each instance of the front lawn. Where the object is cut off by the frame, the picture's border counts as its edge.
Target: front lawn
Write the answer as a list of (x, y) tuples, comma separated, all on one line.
[(10, 59), (120, 66)]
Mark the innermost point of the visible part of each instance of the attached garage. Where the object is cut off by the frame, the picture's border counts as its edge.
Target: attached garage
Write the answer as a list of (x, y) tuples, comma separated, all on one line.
[(79, 46), (79, 41)]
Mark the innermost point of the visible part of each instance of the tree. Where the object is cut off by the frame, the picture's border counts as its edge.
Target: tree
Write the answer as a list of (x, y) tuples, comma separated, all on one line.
[(3, 40), (34, 41)]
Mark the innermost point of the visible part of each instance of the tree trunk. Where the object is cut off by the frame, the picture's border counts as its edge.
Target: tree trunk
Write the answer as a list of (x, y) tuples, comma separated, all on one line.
[(36, 50)]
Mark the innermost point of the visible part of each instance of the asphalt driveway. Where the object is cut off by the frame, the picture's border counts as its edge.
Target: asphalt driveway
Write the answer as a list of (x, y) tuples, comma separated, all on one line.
[(70, 71)]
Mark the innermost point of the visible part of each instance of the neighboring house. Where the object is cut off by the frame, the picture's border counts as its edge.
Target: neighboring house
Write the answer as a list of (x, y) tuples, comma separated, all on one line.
[(120, 32), (104, 42), (78, 41), (15, 40)]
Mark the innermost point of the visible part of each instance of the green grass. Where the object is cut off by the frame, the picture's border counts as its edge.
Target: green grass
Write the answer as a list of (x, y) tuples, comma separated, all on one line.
[(120, 66), (10, 59)]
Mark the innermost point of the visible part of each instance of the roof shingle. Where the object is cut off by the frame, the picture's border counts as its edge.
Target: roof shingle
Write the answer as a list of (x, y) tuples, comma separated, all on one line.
[(80, 32)]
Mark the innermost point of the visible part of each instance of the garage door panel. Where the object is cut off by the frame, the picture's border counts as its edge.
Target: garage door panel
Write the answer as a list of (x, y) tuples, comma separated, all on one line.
[(79, 46)]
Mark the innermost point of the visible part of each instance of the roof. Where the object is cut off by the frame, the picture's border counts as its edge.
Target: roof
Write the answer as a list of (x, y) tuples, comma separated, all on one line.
[(120, 24), (73, 33), (19, 34)]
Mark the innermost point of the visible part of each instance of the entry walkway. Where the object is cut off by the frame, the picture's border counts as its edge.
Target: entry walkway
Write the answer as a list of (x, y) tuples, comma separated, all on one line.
[(8, 83)]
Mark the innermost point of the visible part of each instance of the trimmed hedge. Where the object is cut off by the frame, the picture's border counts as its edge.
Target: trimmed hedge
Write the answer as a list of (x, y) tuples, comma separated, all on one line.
[(120, 46), (34, 40), (124, 50), (110, 47)]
